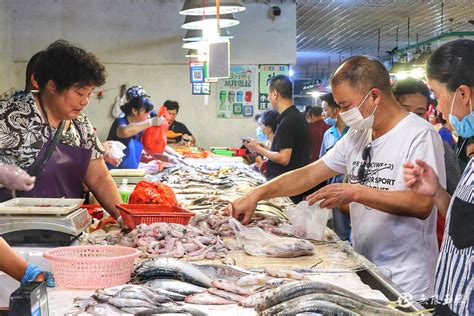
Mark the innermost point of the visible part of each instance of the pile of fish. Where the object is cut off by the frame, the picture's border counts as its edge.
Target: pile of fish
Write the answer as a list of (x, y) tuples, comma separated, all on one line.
[(169, 240), (314, 297), (267, 217), (132, 299)]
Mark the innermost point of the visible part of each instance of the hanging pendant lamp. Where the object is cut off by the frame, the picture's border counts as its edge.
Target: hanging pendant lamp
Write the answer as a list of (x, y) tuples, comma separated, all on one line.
[(197, 35), (193, 22), (200, 7)]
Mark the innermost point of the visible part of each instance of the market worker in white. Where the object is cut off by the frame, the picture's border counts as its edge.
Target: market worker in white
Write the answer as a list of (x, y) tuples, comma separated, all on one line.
[(393, 227)]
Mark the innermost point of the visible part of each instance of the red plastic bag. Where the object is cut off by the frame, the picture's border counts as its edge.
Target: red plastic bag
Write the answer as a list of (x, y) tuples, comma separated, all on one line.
[(153, 193), (155, 138)]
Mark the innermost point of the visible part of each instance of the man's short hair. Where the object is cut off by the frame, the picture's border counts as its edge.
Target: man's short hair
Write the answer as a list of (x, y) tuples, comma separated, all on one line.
[(282, 84), (362, 73), (329, 99), (171, 105), (411, 86), (314, 111)]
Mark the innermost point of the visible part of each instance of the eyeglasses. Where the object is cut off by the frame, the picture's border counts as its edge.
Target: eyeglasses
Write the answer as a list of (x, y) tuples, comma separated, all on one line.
[(362, 173)]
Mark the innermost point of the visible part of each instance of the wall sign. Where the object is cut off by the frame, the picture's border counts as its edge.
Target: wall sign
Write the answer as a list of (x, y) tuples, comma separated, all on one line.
[(237, 92), (266, 72), (201, 88), (197, 73)]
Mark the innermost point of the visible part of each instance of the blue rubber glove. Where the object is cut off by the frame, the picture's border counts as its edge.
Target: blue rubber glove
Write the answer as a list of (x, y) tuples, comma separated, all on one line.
[(32, 273)]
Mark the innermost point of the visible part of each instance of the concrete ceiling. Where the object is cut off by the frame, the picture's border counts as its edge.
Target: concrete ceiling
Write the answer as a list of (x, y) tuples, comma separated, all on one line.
[(331, 31)]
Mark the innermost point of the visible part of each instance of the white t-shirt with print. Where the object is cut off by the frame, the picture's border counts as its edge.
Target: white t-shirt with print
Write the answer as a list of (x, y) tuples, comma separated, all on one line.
[(404, 248)]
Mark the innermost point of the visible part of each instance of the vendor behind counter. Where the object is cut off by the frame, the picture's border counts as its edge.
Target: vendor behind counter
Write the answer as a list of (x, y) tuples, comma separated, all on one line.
[(129, 129), (66, 76)]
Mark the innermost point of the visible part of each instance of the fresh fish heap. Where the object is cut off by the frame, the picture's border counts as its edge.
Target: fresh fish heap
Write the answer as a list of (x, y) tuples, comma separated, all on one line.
[(175, 240), (267, 217), (256, 242), (131, 299), (314, 297), (181, 281)]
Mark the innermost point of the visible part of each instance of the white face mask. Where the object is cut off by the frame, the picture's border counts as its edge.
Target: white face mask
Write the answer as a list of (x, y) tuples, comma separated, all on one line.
[(354, 119)]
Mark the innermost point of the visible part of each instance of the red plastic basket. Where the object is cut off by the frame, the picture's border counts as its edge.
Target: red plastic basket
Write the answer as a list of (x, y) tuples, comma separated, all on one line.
[(136, 214)]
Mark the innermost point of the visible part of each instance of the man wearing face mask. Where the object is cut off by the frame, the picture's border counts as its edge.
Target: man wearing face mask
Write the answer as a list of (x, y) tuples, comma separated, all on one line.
[(290, 146), (450, 75), (342, 221), (392, 226)]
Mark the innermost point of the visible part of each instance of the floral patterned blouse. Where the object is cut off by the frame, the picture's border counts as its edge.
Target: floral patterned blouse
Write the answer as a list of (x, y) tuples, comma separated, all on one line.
[(23, 132)]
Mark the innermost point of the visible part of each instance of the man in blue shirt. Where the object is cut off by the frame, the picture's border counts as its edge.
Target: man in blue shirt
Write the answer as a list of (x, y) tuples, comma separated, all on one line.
[(342, 222)]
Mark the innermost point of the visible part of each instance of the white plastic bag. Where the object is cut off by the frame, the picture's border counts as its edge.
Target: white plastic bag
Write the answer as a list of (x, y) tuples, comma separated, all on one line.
[(307, 221), (113, 151), (257, 242)]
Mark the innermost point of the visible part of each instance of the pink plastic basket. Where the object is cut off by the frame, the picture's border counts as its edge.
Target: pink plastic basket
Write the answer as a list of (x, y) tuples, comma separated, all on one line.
[(91, 267)]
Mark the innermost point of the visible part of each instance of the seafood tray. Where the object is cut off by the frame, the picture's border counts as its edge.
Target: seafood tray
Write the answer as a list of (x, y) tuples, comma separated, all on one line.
[(136, 214)]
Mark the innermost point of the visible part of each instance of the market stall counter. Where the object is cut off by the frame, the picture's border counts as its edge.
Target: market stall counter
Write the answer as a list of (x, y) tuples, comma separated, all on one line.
[(204, 267)]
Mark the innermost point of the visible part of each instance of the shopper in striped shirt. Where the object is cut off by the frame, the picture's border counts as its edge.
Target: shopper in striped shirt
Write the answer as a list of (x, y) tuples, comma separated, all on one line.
[(450, 74)]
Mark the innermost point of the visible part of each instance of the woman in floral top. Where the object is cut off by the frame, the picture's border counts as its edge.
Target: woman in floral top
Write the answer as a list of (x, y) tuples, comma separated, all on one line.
[(66, 76)]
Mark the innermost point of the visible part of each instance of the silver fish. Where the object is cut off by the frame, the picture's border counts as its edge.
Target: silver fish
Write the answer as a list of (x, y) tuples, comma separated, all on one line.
[(103, 309), (207, 298), (342, 301), (230, 287), (256, 298), (175, 286), (143, 293), (283, 273), (170, 309), (111, 291), (129, 302), (186, 270), (227, 295), (253, 279), (322, 307), (299, 288)]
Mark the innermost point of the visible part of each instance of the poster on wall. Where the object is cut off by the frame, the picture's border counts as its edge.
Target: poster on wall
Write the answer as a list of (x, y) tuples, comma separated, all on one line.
[(196, 72), (236, 94), (201, 88), (266, 72)]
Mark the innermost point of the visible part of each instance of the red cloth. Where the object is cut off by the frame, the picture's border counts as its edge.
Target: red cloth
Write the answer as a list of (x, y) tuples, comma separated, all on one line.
[(316, 133), (440, 222)]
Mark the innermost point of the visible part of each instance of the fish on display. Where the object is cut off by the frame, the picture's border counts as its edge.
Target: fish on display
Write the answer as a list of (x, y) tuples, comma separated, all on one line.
[(175, 286), (170, 309), (227, 295), (299, 288), (207, 298), (343, 301), (322, 307), (230, 287), (171, 268)]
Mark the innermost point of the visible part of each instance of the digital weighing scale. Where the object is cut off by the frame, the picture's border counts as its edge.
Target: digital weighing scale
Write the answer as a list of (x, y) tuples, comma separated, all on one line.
[(38, 221)]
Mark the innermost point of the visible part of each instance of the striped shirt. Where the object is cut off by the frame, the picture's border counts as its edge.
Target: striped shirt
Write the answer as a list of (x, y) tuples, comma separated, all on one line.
[(454, 282)]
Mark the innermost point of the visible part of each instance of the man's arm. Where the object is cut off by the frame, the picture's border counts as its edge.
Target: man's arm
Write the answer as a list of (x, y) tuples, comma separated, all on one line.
[(281, 157), (402, 203), (101, 184), (288, 184)]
